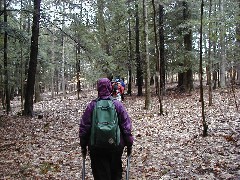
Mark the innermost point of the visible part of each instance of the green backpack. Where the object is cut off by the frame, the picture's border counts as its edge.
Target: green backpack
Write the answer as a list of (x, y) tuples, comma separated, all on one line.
[(105, 131)]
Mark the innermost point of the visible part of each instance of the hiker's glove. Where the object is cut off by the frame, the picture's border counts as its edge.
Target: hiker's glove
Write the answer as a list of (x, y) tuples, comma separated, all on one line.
[(84, 151), (129, 150)]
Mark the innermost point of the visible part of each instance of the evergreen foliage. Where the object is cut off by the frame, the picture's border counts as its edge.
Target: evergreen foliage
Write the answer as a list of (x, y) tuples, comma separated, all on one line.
[(100, 28)]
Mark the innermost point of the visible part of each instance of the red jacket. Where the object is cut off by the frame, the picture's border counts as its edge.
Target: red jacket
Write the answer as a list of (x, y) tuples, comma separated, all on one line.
[(120, 88)]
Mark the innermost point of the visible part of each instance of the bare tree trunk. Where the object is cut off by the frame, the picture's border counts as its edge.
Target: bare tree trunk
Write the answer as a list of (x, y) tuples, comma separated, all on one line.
[(138, 58), (37, 87), (6, 85), (215, 65), (238, 45), (158, 62), (185, 79), (146, 55), (129, 91), (52, 69), (22, 78), (1, 75), (205, 127), (188, 76), (223, 50), (63, 69), (209, 57), (237, 55), (28, 105), (78, 71), (161, 50)]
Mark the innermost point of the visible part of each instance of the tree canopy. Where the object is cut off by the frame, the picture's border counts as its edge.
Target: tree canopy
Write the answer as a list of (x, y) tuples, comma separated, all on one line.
[(95, 36)]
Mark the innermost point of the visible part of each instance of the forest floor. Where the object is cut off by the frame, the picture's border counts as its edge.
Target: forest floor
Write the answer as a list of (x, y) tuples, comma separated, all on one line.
[(166, 147)]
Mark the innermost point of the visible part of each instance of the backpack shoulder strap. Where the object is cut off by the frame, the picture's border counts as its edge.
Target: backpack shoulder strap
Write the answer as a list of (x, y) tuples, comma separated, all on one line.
[(97, 99)]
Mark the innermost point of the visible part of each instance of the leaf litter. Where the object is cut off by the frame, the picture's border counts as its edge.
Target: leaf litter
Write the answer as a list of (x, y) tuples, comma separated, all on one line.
[(166, 147)]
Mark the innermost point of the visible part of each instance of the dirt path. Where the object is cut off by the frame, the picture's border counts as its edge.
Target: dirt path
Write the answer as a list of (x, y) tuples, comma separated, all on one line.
[(166, 147)]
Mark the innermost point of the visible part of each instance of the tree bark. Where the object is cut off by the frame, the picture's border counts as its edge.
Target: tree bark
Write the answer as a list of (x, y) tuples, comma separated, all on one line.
[(215, 65), (188, 76), (138, 58), (158, 62), (205, 127), (28, 105), (37, 87), (161, 44), (22, 77), (185, 79), (158, 68), (63, 55), (78, 70), (6, 85), (146, 55), (223, 50), (238, 45), (52, 69), (63, 69), (129, 91), (209, 57)]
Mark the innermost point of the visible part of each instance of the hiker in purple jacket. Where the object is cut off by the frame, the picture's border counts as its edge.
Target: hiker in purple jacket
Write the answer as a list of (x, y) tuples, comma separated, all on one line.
[(106, 165)]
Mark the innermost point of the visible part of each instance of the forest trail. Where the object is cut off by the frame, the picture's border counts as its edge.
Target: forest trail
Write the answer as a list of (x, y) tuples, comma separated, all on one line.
[(165, 147)]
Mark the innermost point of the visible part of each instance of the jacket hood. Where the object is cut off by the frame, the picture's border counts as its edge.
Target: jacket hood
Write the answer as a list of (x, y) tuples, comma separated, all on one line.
[(104, 88)]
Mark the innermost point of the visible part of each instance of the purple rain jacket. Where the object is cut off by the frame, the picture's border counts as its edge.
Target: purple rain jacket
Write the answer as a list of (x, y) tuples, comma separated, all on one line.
[(104, 88)]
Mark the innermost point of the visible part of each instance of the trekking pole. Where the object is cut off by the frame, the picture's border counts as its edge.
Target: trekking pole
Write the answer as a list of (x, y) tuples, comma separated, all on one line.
[(128, 167), (83, 168)]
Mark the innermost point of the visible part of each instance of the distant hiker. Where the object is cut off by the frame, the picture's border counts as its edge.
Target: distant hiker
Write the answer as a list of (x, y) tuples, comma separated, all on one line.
[(123, 85), (105, 151), (117, 90)]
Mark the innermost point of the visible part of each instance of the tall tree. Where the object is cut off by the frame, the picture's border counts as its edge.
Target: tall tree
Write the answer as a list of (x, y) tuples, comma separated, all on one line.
[(1, 20), (223, 48), (158, 67), (138, 57), (78, 57), (205, 127), (238, 43), (146, 56), (22, 64), (209, 56), (130, 51), (28, 104), (78, 53), (185, 78), (158, 73), (161, 44), (53, 68), (6, 83), (63, 53), (188, 75), (214, 43), (63, 67)]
